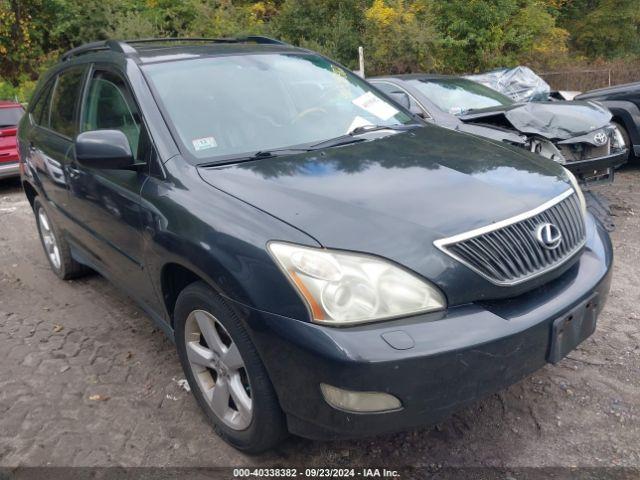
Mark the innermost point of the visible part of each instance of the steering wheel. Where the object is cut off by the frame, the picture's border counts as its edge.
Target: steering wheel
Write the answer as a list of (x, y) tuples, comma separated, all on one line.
[(309, 111)]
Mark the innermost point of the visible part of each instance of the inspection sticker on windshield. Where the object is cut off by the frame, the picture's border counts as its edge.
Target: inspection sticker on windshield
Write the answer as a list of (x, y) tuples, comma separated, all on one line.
[(204, 143), (375, 106)]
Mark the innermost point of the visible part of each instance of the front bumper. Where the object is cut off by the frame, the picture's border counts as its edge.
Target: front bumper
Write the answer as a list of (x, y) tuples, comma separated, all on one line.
[(451, 360), (9, 169), (601, 168)]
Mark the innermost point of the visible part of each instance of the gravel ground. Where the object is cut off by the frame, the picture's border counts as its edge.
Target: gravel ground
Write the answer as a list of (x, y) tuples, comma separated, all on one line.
[(86, 380)]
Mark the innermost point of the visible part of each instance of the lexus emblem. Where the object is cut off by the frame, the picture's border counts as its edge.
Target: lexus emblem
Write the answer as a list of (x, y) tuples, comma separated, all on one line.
[(600, 138), (549, 236)]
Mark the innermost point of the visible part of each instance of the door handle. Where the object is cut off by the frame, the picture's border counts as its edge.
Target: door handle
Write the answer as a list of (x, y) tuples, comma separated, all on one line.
[(74, 172)]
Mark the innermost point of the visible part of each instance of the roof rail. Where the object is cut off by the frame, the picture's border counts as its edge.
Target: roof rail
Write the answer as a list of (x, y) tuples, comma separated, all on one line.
[(247, 39), (127, 48)]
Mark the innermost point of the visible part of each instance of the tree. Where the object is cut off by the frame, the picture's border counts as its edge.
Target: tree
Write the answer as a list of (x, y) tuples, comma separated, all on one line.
[(603, 28), (483, 34), (333, 27), (20, 37), (400, 37)]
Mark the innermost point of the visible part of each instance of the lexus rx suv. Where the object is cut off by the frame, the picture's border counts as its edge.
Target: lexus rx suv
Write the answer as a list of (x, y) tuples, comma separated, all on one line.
[(326, 263)]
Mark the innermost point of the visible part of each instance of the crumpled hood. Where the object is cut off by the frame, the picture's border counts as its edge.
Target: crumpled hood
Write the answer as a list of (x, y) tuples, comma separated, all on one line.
[(393, 196), (551, 120)]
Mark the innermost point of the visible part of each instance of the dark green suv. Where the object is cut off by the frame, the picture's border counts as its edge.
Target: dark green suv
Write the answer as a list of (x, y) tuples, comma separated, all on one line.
[(326, 263)]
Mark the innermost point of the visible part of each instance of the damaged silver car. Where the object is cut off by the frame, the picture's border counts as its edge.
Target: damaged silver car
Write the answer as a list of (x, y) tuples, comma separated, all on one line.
[(578, 135)]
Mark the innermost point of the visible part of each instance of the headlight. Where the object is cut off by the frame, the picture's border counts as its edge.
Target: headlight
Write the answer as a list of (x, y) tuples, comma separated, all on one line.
[(578, 190), (618, 139), (344, 288)]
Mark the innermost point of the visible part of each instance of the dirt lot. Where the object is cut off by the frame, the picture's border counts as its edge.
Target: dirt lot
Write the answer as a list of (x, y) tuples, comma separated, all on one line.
[(87, 380)]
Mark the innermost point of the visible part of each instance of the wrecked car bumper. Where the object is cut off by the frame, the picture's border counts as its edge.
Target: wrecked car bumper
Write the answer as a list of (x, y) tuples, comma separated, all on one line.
[(9, 169), (434, 364), (597, 169)]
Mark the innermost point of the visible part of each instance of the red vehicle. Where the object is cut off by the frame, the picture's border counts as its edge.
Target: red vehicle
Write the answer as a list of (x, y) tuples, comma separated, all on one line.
[(10, 115)]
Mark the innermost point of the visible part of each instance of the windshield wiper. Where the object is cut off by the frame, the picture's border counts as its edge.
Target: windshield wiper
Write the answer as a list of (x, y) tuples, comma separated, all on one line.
[(276, 152), (254, 156), (374, 128), (351, 137)]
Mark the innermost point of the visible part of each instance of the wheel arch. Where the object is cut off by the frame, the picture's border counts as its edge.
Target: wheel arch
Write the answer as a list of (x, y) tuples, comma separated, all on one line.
[(626, 114), (29, 191), (174, 278)]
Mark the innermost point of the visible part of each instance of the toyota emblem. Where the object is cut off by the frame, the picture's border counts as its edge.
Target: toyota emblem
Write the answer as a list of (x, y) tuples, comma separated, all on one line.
[(549, 236), (600, 138)]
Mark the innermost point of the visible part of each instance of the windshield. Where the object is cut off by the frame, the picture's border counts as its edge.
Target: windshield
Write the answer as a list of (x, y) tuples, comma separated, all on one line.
[(230, 105), (9, 117), (459, 95)]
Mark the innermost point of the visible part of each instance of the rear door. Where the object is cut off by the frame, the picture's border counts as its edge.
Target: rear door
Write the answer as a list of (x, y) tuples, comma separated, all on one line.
[(50, 140), (105, 203)]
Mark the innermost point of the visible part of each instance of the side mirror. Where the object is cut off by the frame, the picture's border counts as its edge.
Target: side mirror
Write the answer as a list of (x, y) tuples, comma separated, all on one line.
[(401, 97), (105, 149)]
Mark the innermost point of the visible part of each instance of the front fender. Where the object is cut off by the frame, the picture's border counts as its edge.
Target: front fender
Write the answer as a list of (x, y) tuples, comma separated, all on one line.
[(628, 114), (219, 238)]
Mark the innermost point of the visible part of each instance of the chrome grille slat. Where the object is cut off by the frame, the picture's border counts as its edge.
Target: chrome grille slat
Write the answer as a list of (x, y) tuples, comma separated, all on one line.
[(557, 219), (524, 256), (507, 252), (490, 257), (566, 215), (552, 253), (517, 263), (528, 242), (470, 252), (521, 242), (509, 266)]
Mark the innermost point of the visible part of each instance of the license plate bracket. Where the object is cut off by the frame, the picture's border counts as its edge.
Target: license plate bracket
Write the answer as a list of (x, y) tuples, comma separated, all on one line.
[(572, 328)]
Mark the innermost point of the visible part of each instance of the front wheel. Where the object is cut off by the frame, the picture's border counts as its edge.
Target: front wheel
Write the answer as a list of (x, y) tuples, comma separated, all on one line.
[(225, 372)]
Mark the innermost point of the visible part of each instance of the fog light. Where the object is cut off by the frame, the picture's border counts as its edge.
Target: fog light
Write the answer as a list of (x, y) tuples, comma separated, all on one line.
[(359, 401)]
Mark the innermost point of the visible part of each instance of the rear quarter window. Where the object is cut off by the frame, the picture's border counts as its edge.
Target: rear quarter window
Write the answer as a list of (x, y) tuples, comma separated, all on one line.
[(40, 110), (64, 102)]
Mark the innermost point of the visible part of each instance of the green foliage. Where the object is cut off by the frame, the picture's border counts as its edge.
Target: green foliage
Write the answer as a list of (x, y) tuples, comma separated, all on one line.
[(398, 35), (332, 27), (21, 92), (603, 28), (482, 34)]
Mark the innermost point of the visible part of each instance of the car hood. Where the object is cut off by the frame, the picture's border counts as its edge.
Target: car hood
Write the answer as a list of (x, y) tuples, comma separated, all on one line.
[(612, 91), (551, 120), (394, 196)]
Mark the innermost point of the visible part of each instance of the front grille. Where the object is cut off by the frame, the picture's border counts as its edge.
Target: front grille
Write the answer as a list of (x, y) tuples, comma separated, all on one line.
[(508, 252), (575, 152)]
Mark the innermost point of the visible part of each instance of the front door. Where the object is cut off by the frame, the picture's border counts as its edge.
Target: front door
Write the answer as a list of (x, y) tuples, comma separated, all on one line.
[(106, 202)]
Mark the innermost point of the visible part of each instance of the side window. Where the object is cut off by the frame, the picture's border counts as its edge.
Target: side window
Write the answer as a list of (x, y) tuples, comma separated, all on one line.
[(40, 110), (110, 105), (64, 101)]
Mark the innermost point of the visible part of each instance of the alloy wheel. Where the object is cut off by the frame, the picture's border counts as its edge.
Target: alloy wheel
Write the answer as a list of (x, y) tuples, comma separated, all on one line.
[(219, 370), (49, 239)]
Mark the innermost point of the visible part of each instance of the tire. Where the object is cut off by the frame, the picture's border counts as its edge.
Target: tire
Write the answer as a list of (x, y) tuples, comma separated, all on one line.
[(627, 140), (252, 426), (56, 247)]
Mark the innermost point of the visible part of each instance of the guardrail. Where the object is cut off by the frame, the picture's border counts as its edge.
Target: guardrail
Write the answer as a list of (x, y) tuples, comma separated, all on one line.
[(588, 79)]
